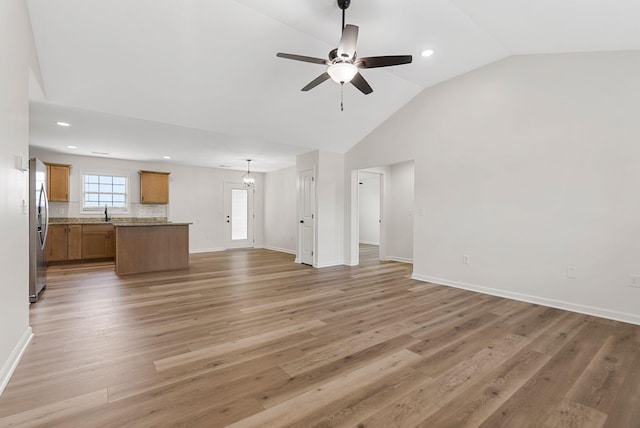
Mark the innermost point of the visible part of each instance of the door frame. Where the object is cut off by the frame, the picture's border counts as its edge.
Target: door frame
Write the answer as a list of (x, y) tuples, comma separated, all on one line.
[(355, 217)]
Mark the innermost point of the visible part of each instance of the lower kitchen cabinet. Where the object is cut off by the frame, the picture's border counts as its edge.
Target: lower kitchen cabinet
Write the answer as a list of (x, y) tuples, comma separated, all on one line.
[(63, 242), (67, 242), (98, 241)]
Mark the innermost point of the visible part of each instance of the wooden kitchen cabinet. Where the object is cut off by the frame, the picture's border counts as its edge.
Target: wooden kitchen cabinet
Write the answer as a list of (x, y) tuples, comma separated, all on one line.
[(98, 241), (64, 242), (151, 247), (58, 182), (154, 187)]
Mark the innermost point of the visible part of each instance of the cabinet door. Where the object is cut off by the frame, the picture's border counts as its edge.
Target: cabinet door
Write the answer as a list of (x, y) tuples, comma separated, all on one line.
[(74, 242), (154, 187), (95, 241), (56, 245), (58, 183), (111, 244)]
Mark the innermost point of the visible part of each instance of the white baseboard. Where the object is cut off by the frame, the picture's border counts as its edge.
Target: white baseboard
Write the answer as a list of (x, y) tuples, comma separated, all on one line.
[(282, 250), (205, 250), (330, 264), (10, 365), (399, 259), (559, 304)]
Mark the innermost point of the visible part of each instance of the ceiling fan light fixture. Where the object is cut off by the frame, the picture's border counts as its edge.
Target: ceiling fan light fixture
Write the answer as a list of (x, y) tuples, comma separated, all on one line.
[(342, 72)]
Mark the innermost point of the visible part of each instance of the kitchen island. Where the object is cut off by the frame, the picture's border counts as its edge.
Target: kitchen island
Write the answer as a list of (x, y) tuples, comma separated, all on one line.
[(151, 247)]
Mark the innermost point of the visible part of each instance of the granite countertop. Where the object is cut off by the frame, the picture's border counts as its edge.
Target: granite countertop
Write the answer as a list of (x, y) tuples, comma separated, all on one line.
[(114, 221), (146, 223)]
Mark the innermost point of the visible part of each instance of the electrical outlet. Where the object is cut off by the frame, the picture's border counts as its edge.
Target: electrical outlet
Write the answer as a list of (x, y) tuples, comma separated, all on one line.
[(571, 272), (465, 259), (635, 281)]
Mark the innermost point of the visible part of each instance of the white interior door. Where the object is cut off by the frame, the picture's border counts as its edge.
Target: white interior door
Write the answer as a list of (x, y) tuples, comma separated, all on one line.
[(238, 215), (307, 216)]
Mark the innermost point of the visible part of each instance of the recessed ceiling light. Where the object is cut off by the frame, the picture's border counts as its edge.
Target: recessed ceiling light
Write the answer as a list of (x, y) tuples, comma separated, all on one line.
[(100, 153), (72, 147), (166, 157), (65, 124), (426, 53)]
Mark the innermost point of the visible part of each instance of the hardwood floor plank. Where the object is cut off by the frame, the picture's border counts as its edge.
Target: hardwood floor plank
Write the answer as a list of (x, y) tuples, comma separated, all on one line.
[(250, 338), (563, 331), (364, 402), (232, 374), (49, 414), (570, 414), (295, 385), (625, 411), (289, 412), (477, 403), (407, 411), (223, 348), (599, 384), (461, 376), (533, 403)]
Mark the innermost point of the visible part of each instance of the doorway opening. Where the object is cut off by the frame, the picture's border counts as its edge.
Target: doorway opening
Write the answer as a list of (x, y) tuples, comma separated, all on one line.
[(369, 216), (388, 193)]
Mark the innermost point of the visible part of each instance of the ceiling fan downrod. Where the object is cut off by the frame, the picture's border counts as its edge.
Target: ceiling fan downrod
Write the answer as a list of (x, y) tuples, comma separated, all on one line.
[(344, 5)]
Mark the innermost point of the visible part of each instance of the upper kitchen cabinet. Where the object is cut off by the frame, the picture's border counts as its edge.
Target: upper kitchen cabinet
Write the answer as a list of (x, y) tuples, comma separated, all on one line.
[(154, 187), (58, 182)]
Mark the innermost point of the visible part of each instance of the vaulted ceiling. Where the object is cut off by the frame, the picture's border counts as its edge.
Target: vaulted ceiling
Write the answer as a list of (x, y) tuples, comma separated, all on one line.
[(198, 80)]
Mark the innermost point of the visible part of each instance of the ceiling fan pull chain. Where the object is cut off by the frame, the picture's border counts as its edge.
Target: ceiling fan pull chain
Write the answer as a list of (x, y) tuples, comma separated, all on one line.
[(341, 96)]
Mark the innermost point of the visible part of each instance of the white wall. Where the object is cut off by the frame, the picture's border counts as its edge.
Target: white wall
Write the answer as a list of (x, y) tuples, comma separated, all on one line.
[(195, 195), (399, 206), (280, 207), (528, 166), (330, 209), (16, 56), (369, 207)]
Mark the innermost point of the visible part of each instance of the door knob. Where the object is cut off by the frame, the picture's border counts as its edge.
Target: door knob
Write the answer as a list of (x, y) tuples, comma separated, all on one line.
[(301, 221)]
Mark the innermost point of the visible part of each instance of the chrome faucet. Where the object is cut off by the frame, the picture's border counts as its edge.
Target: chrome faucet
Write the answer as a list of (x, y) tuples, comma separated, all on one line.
[(106, 214)]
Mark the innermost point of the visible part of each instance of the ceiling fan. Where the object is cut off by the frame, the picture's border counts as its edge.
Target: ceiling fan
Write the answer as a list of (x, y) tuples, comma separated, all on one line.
[(343, 65)]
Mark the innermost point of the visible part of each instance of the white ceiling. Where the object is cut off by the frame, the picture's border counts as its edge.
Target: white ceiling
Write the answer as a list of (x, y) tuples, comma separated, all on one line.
[(198, 80)]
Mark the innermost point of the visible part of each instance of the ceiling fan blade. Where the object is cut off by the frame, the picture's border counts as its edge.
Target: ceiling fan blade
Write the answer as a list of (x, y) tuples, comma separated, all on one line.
[(315, 82), (348, 41), (302, 58), (359, 82), (383, 61)]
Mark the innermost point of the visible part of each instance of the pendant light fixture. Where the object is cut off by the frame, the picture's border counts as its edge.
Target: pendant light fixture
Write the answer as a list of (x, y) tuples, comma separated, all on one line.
[(248, 179)]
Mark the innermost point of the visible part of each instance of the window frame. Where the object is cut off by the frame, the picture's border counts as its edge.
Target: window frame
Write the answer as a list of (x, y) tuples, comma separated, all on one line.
[(92, 210)]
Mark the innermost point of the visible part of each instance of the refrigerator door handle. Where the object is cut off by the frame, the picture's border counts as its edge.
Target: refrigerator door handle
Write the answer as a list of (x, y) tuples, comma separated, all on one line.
[(43, 227)]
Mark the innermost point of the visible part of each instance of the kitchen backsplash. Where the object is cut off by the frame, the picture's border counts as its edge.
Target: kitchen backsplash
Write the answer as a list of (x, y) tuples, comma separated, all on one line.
[(61, 210)]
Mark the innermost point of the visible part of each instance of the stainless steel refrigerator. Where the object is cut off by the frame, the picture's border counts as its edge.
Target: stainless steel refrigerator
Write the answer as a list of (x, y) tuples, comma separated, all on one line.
[(38, 225)]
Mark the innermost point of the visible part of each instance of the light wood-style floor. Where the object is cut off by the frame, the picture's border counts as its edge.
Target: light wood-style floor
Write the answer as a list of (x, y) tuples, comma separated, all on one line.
[(248, 338)]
